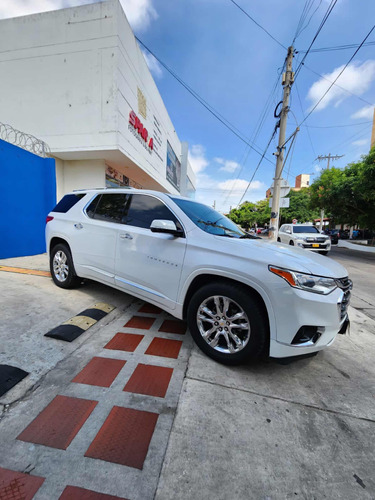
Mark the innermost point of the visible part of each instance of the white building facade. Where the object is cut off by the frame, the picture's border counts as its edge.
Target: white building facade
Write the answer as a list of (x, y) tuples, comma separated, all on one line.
[(77, 79)]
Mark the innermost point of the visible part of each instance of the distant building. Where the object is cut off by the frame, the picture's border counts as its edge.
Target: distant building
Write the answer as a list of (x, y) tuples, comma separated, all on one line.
[(77, 79), (302, 181)]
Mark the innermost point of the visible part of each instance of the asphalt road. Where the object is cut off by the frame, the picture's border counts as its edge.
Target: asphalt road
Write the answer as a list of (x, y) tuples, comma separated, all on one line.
[(361, 269)]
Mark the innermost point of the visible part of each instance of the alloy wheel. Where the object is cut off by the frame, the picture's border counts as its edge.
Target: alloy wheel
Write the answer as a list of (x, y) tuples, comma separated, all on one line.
[(60, 266), (223, 324)]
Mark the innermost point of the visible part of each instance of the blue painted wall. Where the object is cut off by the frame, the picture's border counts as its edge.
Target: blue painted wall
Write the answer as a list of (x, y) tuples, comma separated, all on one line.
[(27, 194)]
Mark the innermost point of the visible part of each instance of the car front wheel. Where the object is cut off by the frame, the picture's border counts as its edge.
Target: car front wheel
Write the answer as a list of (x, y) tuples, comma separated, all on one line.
[(291, 242), (62, 268), (227, 323)]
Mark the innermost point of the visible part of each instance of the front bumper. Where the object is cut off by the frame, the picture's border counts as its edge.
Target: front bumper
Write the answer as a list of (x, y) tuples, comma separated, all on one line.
[(315, 246), (298, 308)]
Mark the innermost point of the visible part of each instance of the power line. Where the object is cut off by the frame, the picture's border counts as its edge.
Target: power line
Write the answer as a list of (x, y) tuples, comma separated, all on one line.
[(259, 25), (305, 11), (257, 167), (303, 115), (204, 103), (324, 20), (336, 47), (338, 76), (338, 126), (255, 134)]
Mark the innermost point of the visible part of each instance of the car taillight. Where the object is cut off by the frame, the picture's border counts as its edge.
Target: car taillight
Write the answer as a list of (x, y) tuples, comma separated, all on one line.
[(48, 219)]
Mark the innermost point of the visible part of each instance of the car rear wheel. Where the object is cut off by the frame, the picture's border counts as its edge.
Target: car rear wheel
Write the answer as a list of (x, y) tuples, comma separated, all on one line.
[(62, 268), (227, 323), (279, 240)]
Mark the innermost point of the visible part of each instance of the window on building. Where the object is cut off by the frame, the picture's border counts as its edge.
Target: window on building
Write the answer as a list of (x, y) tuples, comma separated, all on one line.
[(144, 209)]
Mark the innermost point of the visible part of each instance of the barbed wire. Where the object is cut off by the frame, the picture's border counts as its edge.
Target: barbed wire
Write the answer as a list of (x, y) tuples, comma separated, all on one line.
[(24, 141)]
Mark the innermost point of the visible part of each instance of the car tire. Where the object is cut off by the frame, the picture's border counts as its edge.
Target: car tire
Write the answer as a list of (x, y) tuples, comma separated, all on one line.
[(62, 268), (224, 301), (324, 252), (279, 240), (291, 242)]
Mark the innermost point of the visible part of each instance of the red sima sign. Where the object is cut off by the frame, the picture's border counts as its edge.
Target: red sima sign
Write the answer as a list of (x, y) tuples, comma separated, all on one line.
[(142, 131)]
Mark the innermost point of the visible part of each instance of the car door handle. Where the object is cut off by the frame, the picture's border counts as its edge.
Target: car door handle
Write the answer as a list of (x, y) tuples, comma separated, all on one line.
[(78, 225), (126, 236)]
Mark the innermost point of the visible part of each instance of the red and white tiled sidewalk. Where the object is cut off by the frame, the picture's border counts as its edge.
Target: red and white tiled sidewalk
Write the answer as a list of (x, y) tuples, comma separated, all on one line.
[(98, 426)]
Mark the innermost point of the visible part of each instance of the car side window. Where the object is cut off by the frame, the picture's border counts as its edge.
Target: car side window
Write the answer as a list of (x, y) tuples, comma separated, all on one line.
[(282, 228), (144, 209), (108, 207)]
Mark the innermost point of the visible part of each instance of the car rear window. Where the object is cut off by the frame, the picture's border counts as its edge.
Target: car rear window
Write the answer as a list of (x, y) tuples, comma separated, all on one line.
[(67, 202)]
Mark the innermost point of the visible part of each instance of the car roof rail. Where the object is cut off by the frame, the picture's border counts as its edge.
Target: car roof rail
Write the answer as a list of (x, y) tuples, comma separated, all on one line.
[(102, 188)]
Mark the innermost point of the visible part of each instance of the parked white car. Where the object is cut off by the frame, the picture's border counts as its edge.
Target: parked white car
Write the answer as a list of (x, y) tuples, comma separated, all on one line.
[(242, 296), (304, 236)]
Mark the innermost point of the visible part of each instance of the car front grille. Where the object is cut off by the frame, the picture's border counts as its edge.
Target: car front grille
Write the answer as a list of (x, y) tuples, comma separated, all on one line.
[(346, 285), (310, 239)]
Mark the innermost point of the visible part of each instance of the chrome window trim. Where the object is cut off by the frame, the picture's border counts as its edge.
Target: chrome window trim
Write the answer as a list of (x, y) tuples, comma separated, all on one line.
[(84, 210)]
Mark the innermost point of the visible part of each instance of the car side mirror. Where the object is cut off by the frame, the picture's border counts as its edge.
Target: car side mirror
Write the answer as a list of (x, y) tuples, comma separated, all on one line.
[(165, 226), (288, 231)]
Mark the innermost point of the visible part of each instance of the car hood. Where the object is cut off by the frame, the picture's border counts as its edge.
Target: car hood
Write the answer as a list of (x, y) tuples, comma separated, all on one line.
[(280, 255)]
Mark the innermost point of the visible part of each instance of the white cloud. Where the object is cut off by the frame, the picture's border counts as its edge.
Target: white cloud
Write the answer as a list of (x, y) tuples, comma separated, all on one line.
[(223, 193), (360, 142), (356, 78), (197, 158), (140, 13), (317, 168), (239, 185), (228, 165), (366, 112), (153, 64)]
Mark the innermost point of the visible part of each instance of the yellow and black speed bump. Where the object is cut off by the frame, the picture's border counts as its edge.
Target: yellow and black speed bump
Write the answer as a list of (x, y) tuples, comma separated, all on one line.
[(75, 326), (9, 377)]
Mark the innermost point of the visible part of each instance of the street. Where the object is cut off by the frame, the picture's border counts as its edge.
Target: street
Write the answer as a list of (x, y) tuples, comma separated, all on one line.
[(361, 269)]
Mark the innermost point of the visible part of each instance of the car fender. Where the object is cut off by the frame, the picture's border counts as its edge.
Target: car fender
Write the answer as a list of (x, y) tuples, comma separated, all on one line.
[(234, 277)]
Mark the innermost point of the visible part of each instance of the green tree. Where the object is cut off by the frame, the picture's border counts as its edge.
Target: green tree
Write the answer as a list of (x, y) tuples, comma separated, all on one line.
[(299, 207), (249, 214), (349, 193)]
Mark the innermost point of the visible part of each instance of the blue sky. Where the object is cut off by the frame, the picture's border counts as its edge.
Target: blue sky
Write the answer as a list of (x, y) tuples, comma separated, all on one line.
[(233, 65)]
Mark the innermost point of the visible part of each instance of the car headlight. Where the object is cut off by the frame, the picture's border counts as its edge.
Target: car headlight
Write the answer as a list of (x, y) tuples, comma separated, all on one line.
[(307, 282)]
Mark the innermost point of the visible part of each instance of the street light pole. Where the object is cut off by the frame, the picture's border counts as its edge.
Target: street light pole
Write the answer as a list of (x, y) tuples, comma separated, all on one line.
[(288, 78)]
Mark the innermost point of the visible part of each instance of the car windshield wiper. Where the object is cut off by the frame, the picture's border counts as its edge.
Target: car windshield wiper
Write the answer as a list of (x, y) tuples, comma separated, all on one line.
[(213, 224)]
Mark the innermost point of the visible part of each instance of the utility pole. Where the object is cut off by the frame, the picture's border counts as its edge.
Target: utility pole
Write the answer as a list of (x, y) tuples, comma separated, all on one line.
[(287, 81), (328, 157)]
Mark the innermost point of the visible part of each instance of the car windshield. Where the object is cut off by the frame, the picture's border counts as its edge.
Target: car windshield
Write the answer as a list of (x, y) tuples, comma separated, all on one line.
[(305, 229), (210, 220)]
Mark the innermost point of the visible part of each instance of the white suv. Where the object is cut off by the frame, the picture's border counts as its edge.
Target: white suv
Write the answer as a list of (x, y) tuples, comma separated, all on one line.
[(242, 296), (304, 236)]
